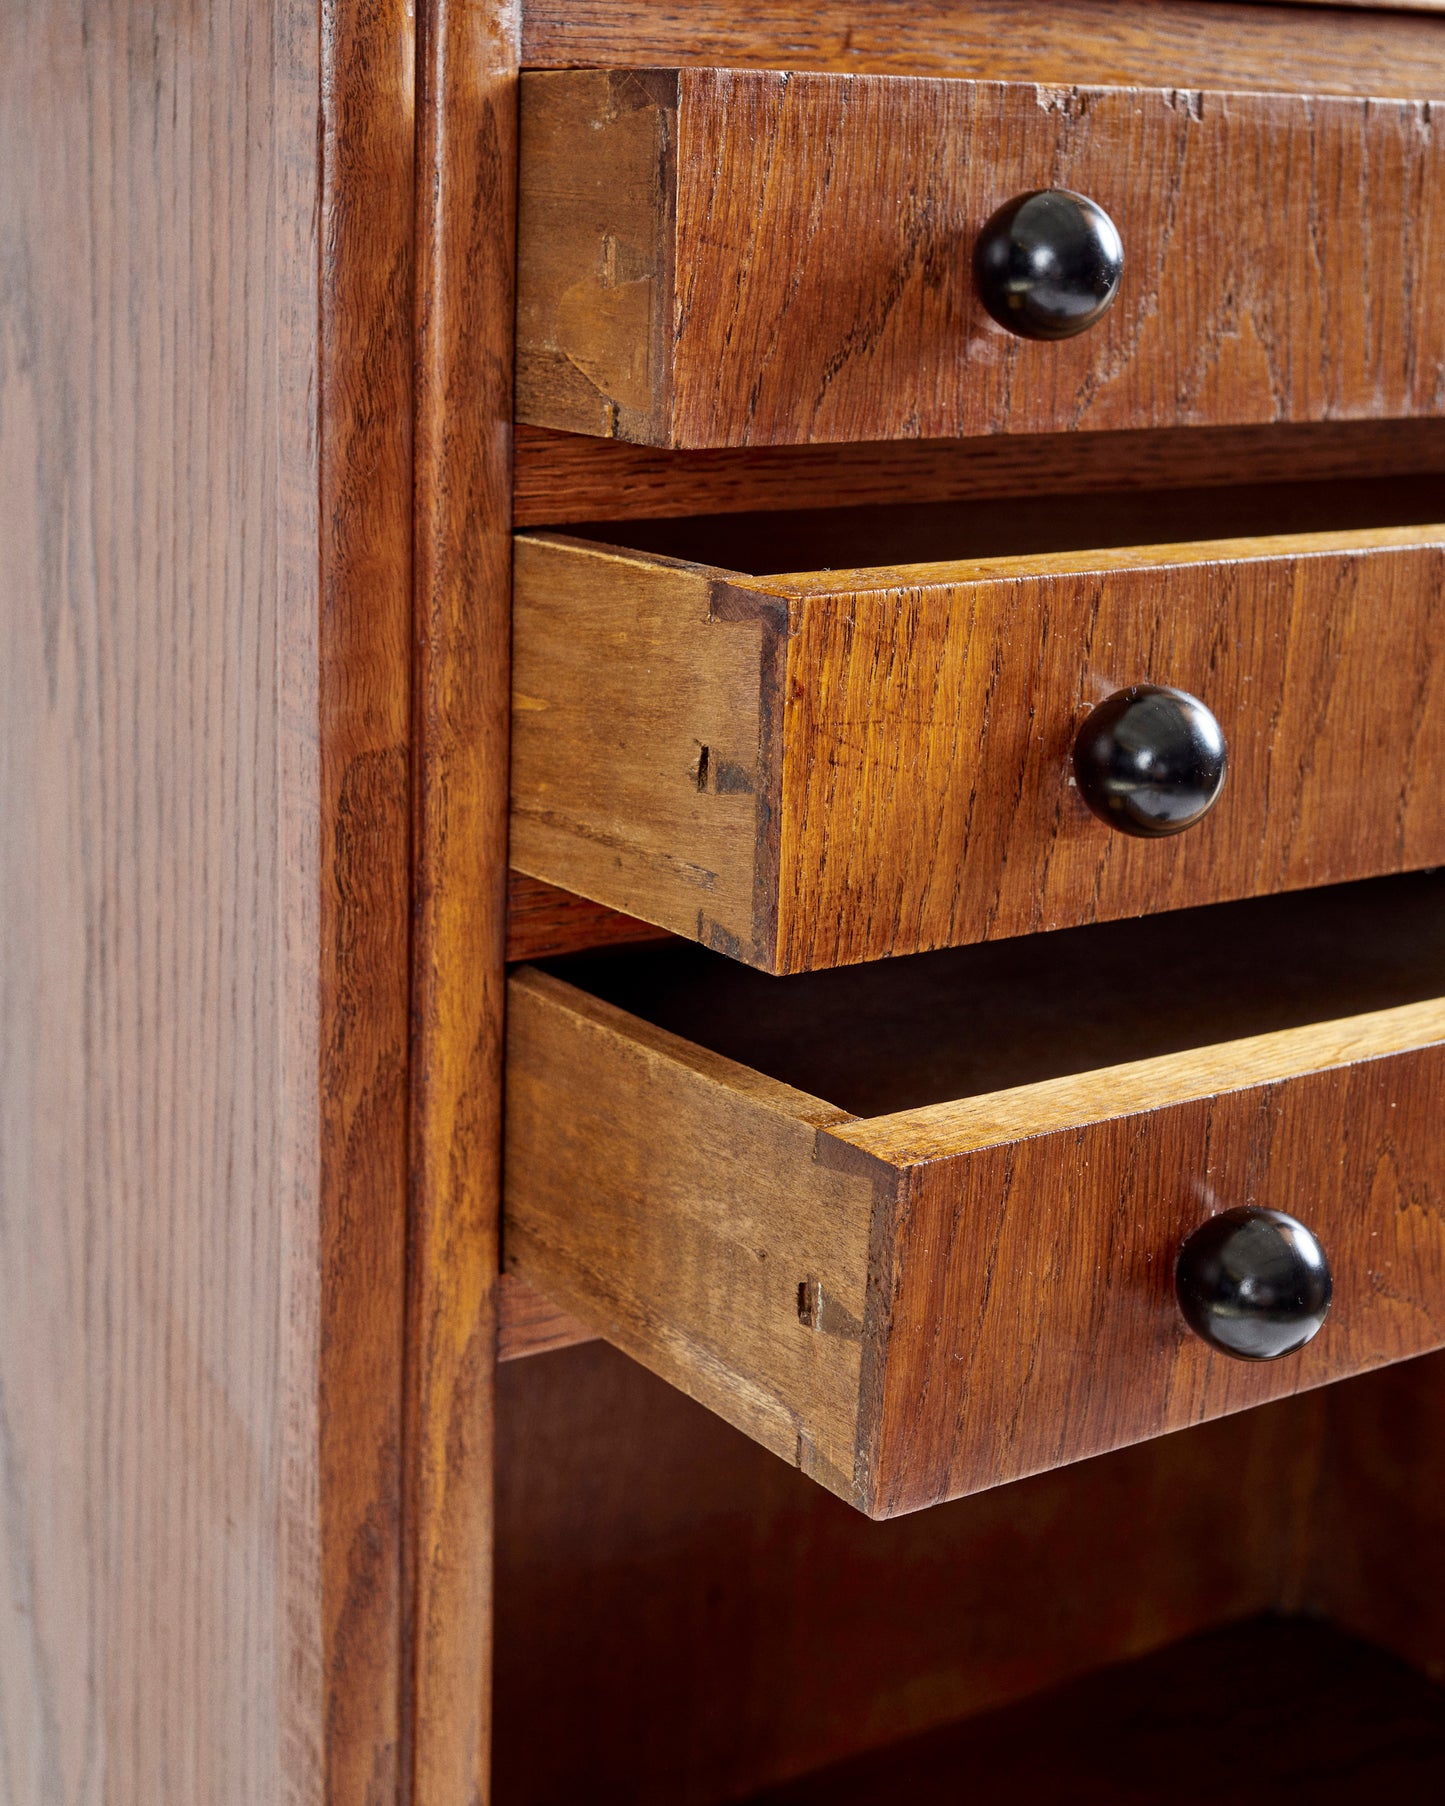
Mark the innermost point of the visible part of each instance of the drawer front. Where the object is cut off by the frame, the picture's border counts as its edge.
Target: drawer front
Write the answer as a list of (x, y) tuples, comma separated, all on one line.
[(812, 771), (915, 1307), (712, 257)]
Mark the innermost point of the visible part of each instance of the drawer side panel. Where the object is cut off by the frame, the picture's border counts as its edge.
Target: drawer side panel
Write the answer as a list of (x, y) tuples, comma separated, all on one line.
[(595, 205), (679, 1207), (644, 725)]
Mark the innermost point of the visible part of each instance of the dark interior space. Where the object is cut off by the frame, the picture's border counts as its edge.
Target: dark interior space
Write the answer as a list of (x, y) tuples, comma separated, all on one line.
[(895, 533), (898, 1034)]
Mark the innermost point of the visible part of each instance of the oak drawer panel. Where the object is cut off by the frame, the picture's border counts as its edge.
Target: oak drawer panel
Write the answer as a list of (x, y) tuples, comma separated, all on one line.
[(804, 771), (713, 257), (916, 1302)]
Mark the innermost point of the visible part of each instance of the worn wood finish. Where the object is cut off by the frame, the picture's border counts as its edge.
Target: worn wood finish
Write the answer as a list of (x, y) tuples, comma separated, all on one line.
[(890, 1302), (562, 477), (204, 382), (591, 734), (768, 1629), (712, 257), (467, 151), (748, 1216), (543, 921), (1116, 43), (805, 771)]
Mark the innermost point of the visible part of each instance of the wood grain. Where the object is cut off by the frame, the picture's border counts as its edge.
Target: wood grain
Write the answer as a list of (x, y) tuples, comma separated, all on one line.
[(1302, 651), (565, 477), (768, 1629), (887, 763), (466, 118), (595, 278), (1116, 43), (801, 258), (1099, 1275), (754, 1246), (528, 1323), (748, 1216), (364, 703), (621, 672), (204, 390), (543, 921)]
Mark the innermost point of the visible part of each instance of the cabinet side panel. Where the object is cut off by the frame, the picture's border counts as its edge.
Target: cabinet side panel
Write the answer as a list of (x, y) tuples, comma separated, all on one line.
[(364, 658), (159, 878), (466, 192)]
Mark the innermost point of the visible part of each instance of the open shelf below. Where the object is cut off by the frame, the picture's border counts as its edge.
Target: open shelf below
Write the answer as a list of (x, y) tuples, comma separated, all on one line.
[(1269, 1710)]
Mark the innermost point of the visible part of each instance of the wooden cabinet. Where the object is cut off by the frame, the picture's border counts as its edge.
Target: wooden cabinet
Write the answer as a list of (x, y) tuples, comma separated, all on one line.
[(822, 567), (715, 256)]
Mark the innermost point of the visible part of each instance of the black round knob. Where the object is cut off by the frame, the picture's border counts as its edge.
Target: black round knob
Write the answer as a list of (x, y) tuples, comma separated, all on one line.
[(1150, 761), (1048, 264), (1253, 1283)]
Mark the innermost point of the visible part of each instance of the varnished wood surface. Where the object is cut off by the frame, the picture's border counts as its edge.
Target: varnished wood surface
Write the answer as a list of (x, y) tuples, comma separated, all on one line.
[(1320, 658), (563, 477), (1249, 1715), (467, 150), (1184, 43), (1099, 1275), (682, 1619), (896, 1302), (204, 365), (364, 826), (810, 770), (713, 257)]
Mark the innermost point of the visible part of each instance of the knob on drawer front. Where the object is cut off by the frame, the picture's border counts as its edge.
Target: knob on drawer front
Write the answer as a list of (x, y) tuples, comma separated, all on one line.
[(1150, 761), (1253, 1283), (1048, 264)]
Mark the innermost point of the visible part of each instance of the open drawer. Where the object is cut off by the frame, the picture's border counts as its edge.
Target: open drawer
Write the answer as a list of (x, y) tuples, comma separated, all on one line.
[(875, 756), (959, 1269)]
